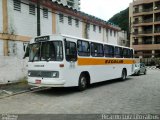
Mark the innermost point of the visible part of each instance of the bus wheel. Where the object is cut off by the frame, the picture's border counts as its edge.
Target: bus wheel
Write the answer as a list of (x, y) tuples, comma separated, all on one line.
[(138, 73), (82, 85), (124, 75)]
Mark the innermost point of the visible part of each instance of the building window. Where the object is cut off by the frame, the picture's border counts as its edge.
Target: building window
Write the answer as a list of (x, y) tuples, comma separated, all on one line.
[(69, 20), (107, 32), (31, 9), (88, 26), (94, 28), (61, 18), (99, 29), (45, 12), (110, 32), (114, 33), (17, 5), (77, 22)]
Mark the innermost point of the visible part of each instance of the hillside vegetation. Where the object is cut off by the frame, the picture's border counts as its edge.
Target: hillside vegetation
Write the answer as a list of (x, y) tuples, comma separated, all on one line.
[(121, 19)]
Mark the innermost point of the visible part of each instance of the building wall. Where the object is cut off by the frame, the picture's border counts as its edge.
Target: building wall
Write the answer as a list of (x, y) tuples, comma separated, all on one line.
[(122, 38), (64, 28), (95, 35), (1, 47), (1, 29), (113, 39), (46, 23), (21, 22)]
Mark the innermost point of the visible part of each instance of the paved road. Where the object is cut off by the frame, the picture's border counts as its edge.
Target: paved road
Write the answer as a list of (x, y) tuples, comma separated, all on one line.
[(138, 94)]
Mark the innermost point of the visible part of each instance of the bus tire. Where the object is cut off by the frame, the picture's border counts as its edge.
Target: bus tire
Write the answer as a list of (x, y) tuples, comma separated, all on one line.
[(82, 85), (138, 73), (124, 74)]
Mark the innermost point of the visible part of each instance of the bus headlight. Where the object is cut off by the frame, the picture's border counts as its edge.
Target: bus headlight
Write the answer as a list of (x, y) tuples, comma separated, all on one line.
[(29, 73), (55, 74)]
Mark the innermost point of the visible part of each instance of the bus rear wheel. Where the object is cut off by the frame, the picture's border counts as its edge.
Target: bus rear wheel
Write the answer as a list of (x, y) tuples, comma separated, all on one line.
[(82, 85), (124, 75)]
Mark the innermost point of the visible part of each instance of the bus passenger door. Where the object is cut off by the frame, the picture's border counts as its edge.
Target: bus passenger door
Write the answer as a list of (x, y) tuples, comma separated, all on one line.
[(71, 59)]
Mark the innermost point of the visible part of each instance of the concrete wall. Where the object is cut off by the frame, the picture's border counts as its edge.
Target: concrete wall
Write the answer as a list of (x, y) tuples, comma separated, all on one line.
[(12, 69), (1, 16), (1, 48)]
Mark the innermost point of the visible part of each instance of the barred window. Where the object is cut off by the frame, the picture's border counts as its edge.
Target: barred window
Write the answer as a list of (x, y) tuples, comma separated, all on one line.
[(17, 5), (31, 9), (110, 32), (88, 26), (94, 28), (99, 29), (45, 12), (77, 22), (114, 33), (69, 20), (61, 18)]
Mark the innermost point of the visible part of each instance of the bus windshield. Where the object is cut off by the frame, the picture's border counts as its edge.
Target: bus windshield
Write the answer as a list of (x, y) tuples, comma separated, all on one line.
[(46, 51)]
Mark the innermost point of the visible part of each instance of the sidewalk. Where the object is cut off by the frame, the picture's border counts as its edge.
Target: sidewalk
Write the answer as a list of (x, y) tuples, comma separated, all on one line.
[(14, 88)]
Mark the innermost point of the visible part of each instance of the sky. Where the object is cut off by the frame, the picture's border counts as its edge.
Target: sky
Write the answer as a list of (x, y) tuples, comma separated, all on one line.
[(104, 9)]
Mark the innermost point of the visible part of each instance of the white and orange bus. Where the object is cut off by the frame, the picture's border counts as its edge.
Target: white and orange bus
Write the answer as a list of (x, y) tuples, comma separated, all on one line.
[(65, 61)]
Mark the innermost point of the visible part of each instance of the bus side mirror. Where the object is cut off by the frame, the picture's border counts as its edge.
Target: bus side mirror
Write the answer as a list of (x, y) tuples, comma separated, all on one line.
[(26, 53)]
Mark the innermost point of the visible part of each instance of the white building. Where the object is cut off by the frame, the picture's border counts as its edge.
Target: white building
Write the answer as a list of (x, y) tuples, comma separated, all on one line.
[(122, 38), (18, 24), (75, 4)]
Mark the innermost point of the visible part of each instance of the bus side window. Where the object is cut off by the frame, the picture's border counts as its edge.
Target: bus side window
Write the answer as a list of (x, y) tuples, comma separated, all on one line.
[(109, 51), (83, 48), (97, 50), (118, 52), (71, 51), (125, 53), (131, 53)]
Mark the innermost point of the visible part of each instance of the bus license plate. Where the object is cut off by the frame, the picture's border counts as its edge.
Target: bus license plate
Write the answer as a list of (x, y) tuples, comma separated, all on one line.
[(38, 81)]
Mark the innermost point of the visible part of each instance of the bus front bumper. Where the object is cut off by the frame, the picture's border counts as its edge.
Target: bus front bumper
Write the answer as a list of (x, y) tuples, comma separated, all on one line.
[(46, 82)]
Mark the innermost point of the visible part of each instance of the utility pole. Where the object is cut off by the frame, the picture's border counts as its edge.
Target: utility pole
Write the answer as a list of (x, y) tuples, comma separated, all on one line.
[(38, 19)]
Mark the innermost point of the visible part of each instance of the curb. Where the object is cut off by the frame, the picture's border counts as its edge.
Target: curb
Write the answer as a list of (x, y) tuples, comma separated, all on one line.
[(34, 89)]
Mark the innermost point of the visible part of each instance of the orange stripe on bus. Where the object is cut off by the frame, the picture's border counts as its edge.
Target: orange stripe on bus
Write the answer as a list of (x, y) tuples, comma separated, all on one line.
[(103, 61)]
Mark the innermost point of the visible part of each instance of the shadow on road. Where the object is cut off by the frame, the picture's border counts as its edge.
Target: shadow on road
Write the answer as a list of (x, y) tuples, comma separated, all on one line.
[(61, 91)]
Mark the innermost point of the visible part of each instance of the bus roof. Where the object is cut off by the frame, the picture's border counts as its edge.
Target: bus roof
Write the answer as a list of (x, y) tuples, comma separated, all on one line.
[(61, 36)]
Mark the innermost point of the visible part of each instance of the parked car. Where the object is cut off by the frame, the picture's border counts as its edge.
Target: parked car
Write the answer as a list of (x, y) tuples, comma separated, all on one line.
[(140, 68), (158, 66)]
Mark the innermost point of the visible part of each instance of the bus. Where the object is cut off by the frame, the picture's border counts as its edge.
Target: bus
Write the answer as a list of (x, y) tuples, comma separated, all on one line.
[(65, 61)]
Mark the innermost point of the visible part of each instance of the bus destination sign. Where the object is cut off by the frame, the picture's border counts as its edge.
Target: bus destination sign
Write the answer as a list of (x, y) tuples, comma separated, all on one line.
[(40, 39)]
